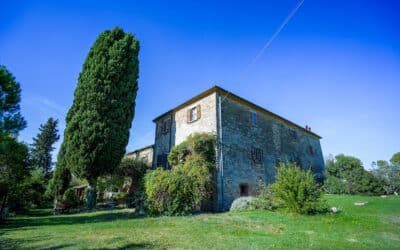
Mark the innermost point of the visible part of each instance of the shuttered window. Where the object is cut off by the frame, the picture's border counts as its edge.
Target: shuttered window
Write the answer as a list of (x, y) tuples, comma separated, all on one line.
[(193, 114), (257, 155), (166, 125)]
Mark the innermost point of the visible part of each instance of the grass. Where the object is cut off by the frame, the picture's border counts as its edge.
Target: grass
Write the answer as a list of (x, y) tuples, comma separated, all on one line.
[(374, 226)]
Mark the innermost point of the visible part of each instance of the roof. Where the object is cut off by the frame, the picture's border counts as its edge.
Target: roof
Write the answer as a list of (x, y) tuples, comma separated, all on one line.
[(80, 186), (140, 149), (241, 100)]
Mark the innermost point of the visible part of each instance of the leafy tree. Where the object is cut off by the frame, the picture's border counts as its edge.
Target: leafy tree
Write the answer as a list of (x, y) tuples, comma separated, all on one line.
[(297, 190), (395, 158), (11, 120), (346, 175), (389, 172), (14, 168), (43, 146), (34, 188), (14, 158), (100, 117)]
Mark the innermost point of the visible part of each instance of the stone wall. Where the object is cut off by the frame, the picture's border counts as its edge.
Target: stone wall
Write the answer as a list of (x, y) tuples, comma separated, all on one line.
[(145, 154), (207, 122), (180, 128), (275, 140)]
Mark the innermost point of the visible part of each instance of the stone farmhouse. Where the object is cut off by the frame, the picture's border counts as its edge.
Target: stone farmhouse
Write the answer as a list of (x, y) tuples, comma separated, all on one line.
[(251, 141)]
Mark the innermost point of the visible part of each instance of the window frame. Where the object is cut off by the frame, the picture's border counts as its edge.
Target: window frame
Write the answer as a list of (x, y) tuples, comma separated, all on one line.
[(254, 117), (166, 126), (244, 189), (193, 113), (257, 155)]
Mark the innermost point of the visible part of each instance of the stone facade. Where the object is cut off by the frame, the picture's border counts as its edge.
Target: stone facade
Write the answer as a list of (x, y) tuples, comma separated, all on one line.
[(174, 127), (251, 141), (145, 154)]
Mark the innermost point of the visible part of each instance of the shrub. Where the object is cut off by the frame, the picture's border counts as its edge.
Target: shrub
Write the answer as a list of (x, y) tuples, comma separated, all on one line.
[(197, 144), (70, 197), (177, 191), (244, 203), (119, 196), (265, 199), (297, 191)]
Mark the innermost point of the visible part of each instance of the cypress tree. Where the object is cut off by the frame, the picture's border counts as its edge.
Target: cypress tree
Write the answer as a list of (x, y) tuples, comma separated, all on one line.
[(100, 117)]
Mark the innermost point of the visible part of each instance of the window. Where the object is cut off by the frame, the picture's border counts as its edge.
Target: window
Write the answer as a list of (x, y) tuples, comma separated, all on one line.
[(244, 189), (254, 117), (310, 150), (293, 134), (257, 155), (162, 160), (193, 114), (166, 126)]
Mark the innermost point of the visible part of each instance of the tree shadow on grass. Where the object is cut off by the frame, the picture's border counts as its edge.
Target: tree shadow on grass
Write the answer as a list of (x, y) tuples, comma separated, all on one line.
[(131, 246), (10, 243), (53, 220)]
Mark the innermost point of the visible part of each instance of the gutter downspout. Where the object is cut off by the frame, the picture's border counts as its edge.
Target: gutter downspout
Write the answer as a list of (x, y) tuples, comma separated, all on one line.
[(221, 161), (170, 140)]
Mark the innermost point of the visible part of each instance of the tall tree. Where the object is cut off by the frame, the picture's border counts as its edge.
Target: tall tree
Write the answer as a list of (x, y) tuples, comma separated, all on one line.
[(42, 146), (14, 161), (100, 117), (11, 120)]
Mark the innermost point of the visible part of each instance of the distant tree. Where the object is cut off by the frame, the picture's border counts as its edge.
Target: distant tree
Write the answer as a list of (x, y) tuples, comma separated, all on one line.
[(99, 120), (395, 158), (346, 174), (43, 146), (11, 120), (389, 172)]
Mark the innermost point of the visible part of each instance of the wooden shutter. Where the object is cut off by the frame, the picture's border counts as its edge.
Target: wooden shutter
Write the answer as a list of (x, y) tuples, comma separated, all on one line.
[(198, 111), (188, 116), (168, 125)]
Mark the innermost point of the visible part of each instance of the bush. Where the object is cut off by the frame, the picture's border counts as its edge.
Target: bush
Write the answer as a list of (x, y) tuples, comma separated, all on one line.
[(244, 203), (265, 199), (198, 144), (70, 197), (119, 196), (296, 190), (177, 191)]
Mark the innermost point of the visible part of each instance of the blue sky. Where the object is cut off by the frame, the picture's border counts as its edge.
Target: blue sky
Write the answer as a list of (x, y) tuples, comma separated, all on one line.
[(335, 66)]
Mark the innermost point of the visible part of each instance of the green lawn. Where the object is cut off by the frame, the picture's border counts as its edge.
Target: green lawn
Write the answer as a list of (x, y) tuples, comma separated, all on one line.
[(375, 226)]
